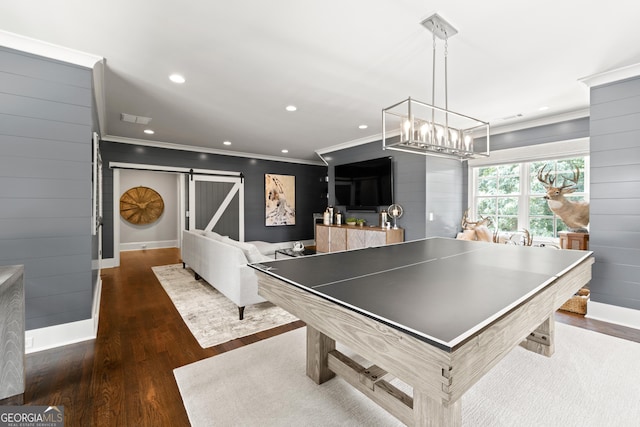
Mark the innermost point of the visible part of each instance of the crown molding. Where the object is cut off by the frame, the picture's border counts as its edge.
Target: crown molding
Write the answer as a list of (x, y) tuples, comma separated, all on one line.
[(193, 148), (611, 75), (48, 50), (541, 121), (353, 143)]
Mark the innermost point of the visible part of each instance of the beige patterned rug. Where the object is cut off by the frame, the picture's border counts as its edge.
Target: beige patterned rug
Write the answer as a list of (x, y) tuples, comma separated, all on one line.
[(210, 316)]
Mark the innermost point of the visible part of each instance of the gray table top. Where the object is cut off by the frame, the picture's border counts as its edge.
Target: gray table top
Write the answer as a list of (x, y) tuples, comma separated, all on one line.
[(439, 290)]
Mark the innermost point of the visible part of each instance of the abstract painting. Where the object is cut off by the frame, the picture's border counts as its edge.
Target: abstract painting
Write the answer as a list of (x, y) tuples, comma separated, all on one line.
[(280, 199)]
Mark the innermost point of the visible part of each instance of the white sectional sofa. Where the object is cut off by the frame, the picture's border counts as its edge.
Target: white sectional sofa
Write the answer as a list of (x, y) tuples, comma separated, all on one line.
[(222, 262)]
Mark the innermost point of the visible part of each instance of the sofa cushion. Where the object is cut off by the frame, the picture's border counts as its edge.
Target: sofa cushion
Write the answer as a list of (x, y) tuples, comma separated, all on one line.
[(250, 251)]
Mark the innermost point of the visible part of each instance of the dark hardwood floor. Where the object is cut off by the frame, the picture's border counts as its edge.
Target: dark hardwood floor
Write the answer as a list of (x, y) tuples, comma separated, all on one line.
[(125, 376)]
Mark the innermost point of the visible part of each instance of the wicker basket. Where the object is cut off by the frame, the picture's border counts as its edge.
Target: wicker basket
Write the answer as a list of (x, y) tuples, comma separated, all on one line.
[(577, 303)]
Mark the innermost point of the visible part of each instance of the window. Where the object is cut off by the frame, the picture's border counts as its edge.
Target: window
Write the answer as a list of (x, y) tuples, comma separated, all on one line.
[(513, 197)]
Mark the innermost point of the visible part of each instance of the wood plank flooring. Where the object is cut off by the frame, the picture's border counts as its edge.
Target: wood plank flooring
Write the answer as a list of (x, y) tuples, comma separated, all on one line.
[(125, 376)]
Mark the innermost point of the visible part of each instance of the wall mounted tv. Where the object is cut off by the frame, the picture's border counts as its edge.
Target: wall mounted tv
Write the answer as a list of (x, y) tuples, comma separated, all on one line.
[(364, 185)]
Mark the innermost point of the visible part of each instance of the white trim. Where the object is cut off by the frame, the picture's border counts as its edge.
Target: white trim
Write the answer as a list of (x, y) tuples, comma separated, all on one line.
[(542, 121), (182, 209), (611, 75), (551, 150), (137, 246), (173, 146), (48, 50), (109, 263), (99, 96), (116, 218), (613, 314), (174, 169), (66, 333), (349, 144)]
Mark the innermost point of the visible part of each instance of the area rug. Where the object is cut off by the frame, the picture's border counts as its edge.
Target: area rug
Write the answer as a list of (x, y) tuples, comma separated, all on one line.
[(209, 315), (591, 380)]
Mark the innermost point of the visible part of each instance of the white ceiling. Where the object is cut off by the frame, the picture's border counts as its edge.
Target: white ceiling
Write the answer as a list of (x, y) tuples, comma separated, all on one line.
[(339, 61)]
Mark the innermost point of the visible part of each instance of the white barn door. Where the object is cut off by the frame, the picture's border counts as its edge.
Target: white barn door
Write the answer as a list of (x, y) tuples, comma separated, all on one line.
[(216, 203)]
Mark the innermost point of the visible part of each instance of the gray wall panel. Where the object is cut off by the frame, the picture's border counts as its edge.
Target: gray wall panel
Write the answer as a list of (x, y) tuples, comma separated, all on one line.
[(48, 314), (40, 68), (45, 129), (616, 157), (627, 122), (614, 239), (616, 222), (44, 109), (617, 141), (615, 192), (609, 254), (603, 111), (614, 299), (53, 285), (32, 208), (409, 184), (625, 275), (615, 92), (21, 249), (18, 228), (16, 84), (616, 173), (45, 184), (37, 148), (41, 188), (620, 206), (42, 168)]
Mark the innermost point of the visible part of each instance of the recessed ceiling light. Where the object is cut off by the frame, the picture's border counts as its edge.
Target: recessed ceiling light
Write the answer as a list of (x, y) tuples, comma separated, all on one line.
[(149, 131), (543, 108), (363, 127), (285, 151), (227, 142), (177, 78), (291, 108)]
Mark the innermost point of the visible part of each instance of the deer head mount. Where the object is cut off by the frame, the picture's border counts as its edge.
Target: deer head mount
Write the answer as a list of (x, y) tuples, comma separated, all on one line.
[(574, 214)]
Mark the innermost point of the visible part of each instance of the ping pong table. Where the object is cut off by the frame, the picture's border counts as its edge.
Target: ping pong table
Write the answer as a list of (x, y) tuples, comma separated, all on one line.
[(436, 313)]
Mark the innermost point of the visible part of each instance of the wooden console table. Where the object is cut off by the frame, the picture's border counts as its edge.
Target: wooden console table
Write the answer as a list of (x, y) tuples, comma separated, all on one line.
[(332, 238)]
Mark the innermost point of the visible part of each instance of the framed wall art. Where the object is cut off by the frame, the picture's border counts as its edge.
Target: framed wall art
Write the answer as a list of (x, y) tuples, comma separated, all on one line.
[(280, 199)]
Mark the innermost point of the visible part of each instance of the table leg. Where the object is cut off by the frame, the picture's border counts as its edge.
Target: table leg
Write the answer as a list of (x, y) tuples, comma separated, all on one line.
[(428, 411), (318, 347), (541, 340)]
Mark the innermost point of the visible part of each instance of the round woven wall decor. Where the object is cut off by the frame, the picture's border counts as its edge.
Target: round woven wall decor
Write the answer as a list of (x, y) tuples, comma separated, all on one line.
[(141, 205)]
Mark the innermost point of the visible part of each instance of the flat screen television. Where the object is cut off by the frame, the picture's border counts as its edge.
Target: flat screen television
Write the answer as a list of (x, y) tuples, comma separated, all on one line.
[(364, 185)]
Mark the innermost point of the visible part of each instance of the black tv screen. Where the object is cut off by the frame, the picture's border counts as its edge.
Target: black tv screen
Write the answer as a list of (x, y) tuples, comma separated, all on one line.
[(364, 185)]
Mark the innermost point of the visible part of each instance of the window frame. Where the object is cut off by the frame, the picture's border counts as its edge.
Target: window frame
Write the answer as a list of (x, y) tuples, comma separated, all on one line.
[(524, 156)]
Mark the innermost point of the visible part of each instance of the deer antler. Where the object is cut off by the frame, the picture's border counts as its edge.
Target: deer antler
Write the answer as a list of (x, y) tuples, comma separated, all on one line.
[(470, 225), (573, 181), (546, 179)]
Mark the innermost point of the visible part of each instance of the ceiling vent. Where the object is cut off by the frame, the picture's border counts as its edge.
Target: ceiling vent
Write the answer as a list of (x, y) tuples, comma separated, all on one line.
[(134, 119)]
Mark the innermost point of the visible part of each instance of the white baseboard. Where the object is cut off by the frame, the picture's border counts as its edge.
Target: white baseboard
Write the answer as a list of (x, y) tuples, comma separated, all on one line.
[(66, 333), (109, 263), (136, 246), (613, 314)]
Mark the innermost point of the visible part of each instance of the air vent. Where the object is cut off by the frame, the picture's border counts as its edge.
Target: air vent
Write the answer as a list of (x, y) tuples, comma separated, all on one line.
[(134, 119), (515, 116)]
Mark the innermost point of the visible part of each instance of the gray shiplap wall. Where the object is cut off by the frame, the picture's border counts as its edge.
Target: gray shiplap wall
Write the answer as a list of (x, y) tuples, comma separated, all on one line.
[(421, 185), (615, 193), (45, 184)]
